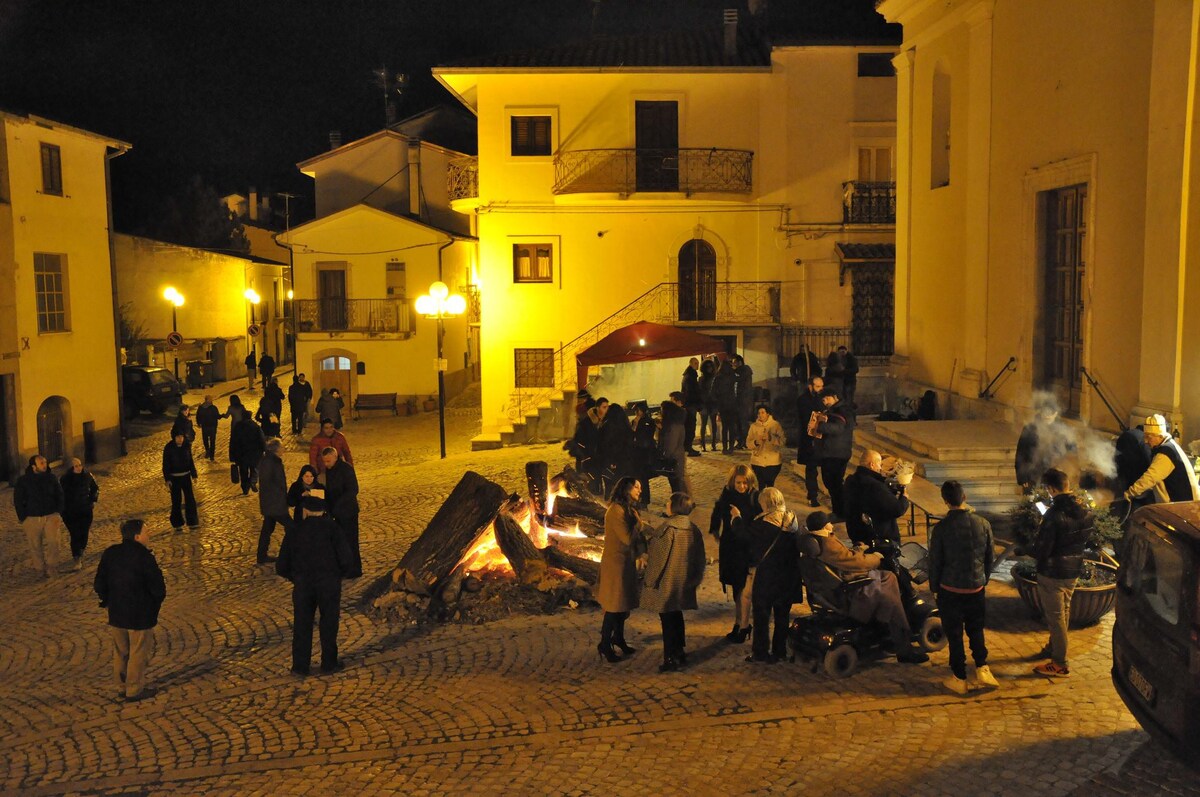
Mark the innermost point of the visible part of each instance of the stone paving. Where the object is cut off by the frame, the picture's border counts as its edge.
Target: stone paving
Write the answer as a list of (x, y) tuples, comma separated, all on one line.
[(520, 706)]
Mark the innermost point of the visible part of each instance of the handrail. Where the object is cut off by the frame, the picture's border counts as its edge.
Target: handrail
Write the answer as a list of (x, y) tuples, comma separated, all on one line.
[(987, 393), (631, 169), (1096, 387)]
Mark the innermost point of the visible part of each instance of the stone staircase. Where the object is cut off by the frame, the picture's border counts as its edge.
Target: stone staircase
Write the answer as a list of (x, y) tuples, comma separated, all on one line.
[(553, 419)]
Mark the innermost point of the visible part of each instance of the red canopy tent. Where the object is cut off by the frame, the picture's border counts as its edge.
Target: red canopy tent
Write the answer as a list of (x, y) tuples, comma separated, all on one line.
[(645, 341)]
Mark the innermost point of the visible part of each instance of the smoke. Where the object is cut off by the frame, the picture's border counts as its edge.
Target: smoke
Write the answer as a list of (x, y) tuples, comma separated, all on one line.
[(1059, 444)]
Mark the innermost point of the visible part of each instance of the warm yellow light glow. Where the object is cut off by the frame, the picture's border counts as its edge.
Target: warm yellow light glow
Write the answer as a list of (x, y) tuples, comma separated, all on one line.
[(641, 341), (178, 300), (456, 305), (252, 296), (290, 294), (173, 296), (439, 290), (426, 305)]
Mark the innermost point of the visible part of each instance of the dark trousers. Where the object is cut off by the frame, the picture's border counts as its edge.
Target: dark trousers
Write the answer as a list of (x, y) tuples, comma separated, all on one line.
[(299, 415), (833, 473), (247, 475), (689, 428), (264, 534), (851, 384), (777, 640), (811, 471), (612, 628), (961, 611), (208, 435), (741, 419), (708, 416), (78, 527), (308, 596), (183, 501), (766, 474), (729, 426), (673, 634), (349, 526)]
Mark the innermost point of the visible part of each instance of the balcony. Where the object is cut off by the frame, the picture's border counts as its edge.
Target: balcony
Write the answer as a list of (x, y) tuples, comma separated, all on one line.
[(626, 171), (868, 203), (462, 178), (370, 316)]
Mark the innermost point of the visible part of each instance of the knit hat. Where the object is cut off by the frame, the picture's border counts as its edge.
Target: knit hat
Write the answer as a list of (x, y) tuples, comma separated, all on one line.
[(1157, 424), (816, 521)]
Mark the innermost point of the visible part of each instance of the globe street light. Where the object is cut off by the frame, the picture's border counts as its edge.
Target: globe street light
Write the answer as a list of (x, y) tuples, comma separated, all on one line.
[(176, 299), (439, 304)]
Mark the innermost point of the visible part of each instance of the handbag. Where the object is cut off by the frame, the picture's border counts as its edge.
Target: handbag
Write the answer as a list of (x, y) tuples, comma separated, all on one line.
[(234, 476)]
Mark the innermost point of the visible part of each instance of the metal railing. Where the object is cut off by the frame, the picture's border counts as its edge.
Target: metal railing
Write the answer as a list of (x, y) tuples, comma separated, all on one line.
[(625, 171), (353, 315), (868, 203), (462, 178), (732, 303)]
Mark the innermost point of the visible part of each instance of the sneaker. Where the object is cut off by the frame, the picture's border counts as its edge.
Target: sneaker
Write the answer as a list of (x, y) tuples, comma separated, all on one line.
[(957, 685), (813, 502), (145, 694), (1051, 669), (76, 564), (912, 656), (984, 678)]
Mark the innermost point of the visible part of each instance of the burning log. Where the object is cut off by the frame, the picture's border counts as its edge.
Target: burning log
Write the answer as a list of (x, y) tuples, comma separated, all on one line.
[(526, 560), (576, 485), (585, 569), (536, 477), (588, 514), (454, 529)]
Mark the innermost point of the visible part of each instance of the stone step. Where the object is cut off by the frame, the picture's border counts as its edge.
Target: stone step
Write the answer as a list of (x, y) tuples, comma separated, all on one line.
[(486, 442), (952, 440)]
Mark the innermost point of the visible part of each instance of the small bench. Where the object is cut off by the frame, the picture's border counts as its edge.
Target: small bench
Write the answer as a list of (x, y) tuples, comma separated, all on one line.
[(375, 401)]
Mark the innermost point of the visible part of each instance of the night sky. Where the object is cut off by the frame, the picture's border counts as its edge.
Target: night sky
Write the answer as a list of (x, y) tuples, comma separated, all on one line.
[(239, 92)]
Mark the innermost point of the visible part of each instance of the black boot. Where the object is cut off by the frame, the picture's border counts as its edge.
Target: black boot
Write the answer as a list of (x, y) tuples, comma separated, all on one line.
[(735, 635)]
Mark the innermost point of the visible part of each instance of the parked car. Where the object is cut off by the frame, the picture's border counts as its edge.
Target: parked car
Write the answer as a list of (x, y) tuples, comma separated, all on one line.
[(149, 389), (1156, 638)]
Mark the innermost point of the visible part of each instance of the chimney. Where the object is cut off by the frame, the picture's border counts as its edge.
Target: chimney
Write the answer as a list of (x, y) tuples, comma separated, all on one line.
[(335, 139), (252, 204), (414, 177), (731, 24), (757, 7)]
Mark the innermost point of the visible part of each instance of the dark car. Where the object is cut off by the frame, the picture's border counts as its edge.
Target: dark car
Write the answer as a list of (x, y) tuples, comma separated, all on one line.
[(1156, 637), (150, 389)]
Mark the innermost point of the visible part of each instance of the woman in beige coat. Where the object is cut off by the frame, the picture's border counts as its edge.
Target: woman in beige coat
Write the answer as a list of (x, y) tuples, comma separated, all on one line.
[(618, 588), (765, 441)]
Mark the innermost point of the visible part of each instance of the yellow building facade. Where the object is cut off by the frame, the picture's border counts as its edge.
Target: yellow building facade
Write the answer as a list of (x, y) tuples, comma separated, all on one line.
[(58, 351)]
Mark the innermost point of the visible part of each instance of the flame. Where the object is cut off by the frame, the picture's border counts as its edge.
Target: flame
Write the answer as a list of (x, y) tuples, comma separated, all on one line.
[(486, 556), (559, 489)]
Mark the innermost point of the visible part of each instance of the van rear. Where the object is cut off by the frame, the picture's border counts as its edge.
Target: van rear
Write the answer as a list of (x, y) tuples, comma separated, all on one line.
[(1156, 637)]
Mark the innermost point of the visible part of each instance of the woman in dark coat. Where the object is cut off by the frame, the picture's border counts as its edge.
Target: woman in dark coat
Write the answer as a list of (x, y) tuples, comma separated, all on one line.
[(643, 449), (615, 447), (183, 425), (674, 570), (708, 404), (246, 446), (775, 555), (235, 413), (306, 481), (329, 405), (617, 592), (737, 504), (80, 493)]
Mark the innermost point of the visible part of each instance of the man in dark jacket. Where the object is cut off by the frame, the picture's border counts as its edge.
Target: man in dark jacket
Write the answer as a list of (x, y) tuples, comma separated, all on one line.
[(207, 418), (246, 446), (744, 389), (961, 553), (805, 365), (130, 585), (183, 425), (835, 446), (179, 471), (849, 374), (314, 557), (80, 494), (806, 447), (1058, 549), (251, 368), (341, 495), (835, 371), (272, 498), (693, 401), (299, 396), (724, 391), (38, 499), (266, 368), (872, 505), (670, 443)]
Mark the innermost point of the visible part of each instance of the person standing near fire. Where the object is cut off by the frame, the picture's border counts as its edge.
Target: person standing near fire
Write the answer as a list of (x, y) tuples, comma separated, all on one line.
[(1170, 475), (693, 401), (617, 592)]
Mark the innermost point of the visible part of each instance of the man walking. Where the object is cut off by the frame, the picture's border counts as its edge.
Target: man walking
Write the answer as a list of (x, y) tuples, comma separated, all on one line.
[(329, 437), (38, 499), (179, 471), (806, 448), (130, 585), (314, 557), (207, 418), (1058, 550), (266, 368), (272, 498), (251, 368), (961, 553), (692, 402), (299, 396), (246, 446), (341, 494)]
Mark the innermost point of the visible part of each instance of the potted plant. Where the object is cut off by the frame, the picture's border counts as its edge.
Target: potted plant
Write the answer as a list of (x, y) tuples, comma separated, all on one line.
[(431, 404), (410, 405), (1095, 592)]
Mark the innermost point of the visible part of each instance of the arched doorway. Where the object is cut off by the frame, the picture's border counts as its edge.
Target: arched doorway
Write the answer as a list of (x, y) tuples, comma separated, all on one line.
[(697, 281), (334, 370), (52, 429)]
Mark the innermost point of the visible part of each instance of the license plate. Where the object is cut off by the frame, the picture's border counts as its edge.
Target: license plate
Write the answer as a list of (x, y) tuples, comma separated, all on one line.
[(1143, 686)]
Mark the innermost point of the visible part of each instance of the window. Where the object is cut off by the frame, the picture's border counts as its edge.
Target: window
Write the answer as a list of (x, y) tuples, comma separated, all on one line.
[(49, 275), (51, 170), (875, 65), (397, 280), (533, 262), (534, 367), (530, 135), (1156, 571)]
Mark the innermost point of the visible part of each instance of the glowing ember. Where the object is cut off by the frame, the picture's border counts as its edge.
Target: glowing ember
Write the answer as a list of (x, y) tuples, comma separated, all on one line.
[(486, 555)]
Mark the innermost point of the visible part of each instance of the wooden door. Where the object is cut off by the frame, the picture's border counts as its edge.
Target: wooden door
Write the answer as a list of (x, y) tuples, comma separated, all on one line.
[(697, 281), (657, 132), (331, 291), (51, 426), (1063, 295), (335, 373)]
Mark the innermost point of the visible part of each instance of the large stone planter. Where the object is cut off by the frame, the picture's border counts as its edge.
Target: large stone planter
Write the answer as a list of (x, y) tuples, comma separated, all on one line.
[(1088, 604)]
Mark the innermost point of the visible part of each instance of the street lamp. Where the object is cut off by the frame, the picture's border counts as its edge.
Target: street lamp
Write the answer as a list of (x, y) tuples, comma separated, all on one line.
[(176, 299), (439, 304), (252, 297)]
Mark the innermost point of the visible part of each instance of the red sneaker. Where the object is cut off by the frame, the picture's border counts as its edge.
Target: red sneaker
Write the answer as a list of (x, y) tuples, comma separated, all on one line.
[(1053, 670)]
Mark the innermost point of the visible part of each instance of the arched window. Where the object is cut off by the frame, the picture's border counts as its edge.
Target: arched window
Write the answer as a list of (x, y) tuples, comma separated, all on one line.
[(939, 129), (52, 428), (697, 281)]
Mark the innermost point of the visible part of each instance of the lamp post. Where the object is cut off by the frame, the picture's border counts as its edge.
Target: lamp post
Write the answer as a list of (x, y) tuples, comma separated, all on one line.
[(439, 304), (176, 299)]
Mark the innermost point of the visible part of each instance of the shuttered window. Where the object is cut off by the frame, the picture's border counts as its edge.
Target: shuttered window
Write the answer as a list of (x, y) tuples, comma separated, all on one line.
[(531, 135), (533, 262), (51, 170)]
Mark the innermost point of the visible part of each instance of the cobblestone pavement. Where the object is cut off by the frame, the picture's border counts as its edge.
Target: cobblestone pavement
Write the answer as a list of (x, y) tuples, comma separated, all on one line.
[(520, 706)]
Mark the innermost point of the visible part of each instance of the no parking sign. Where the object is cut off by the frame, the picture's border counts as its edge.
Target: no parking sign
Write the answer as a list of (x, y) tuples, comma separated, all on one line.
[(253, 330), (174, 340)]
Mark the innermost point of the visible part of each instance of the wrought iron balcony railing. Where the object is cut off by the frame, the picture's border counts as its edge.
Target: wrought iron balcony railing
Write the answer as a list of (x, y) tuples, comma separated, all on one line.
[(868, 203), (374, 316), (462, 178), (625, 171)]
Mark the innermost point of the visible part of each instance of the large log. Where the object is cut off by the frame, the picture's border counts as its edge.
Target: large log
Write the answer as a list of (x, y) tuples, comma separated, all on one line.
[(526, 560), (537, 479), (455, 528), (586, 569), (588, 514), (575, 484)]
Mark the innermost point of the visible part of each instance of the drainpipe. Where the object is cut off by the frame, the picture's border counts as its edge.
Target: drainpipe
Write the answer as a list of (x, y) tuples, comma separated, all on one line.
[(109, 154)]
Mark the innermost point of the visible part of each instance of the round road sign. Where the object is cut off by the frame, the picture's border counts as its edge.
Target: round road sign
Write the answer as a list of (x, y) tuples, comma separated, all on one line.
[(174, 340), (253, 330)]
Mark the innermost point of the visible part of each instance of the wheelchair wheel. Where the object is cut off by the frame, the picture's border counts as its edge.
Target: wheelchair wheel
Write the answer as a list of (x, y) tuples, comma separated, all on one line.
[(841, 661), (930, 635)]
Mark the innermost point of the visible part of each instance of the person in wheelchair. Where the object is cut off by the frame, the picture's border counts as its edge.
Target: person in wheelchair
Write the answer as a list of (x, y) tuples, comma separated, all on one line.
[(869, 594)]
